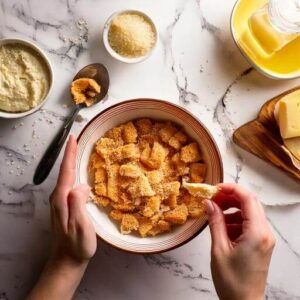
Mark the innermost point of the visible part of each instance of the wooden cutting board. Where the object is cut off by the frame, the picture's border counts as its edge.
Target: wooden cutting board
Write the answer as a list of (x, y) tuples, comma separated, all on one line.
[(261, 137)]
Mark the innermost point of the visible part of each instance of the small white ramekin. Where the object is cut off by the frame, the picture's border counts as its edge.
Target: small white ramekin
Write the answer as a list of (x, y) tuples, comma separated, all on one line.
[(112, 52), (14, 115)]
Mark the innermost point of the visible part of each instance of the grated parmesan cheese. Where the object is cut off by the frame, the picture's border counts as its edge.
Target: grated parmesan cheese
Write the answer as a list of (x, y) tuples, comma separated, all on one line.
[(131, 35)]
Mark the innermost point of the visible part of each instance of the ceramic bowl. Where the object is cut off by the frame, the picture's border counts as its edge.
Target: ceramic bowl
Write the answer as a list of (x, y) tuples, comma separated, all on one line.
[(112, 52), (107, 229), (14, 115)]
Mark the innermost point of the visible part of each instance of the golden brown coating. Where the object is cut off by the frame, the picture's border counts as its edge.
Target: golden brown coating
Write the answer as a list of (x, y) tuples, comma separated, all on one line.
[(84, 90), (129, 223), (138, 168), (190, 153), (198, 172)]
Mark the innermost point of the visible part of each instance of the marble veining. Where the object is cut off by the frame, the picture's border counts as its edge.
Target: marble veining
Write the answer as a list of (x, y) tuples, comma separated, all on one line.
[(195, 65)]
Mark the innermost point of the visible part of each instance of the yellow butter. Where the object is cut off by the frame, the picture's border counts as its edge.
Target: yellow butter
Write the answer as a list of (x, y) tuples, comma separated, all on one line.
[(284, 63), (289, 115), (268, 38)]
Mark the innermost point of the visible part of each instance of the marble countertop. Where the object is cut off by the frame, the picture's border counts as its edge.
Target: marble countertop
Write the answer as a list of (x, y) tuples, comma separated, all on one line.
[(196, 65)]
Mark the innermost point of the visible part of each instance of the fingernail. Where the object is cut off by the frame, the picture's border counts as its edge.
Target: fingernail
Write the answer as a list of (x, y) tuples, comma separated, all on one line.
[(209, 207)]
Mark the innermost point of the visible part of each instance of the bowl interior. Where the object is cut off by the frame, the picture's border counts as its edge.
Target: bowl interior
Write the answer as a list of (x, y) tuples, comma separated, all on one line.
[(13, 115), (159, 110), (112, 52)]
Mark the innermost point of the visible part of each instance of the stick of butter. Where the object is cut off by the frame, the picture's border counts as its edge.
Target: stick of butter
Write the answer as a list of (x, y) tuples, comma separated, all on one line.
[(289, 115), (270, 39)]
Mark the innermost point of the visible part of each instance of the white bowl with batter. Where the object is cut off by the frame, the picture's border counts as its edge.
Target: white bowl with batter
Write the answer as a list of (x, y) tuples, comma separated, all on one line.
[(26, 81)]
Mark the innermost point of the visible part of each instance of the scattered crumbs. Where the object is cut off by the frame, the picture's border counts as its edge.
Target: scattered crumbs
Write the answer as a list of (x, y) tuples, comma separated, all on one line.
[(11, 171), (81, 22), (80, 33), (9, 192), (9, 154), (65, 106), (34, 136)]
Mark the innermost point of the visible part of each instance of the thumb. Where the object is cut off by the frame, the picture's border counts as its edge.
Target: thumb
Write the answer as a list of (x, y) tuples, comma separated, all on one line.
[(217, 226), (77, 199)]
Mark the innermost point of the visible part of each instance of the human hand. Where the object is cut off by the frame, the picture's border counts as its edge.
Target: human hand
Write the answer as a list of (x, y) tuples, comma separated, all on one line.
[(73, 233), (242, 244), (74, 239)]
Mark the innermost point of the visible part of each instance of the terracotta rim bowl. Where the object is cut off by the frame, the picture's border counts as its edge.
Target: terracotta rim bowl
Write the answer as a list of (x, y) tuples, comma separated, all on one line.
[(125, 111)]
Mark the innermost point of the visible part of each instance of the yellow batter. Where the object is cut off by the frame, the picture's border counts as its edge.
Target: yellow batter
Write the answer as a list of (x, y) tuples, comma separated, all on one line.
[(24, 78)]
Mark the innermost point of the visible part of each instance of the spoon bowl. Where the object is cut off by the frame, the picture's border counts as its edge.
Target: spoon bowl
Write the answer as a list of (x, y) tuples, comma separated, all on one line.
[(99, 73)]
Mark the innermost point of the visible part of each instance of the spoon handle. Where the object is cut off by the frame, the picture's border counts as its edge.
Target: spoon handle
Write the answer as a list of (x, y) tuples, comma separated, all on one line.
[(50, 156)]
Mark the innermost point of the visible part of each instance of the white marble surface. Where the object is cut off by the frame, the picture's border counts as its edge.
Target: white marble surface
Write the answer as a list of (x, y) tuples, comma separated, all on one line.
[(196, 65)]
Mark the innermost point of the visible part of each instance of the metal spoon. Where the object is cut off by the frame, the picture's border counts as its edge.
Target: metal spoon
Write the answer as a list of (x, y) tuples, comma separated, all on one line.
[(95, 71)]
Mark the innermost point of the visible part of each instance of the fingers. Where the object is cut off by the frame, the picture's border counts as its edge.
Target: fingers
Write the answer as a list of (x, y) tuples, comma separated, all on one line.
[(234, 218), (217, 226), (67, 173), (226, 201), (248, 202), (234, 231), (77, 210), (59, 212), (64, 184)]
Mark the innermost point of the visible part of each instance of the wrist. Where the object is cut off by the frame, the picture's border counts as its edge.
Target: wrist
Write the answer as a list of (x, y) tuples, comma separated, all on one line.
[(59, 279), (66, 264), (64, 258), (251, 295), (242, 297)]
